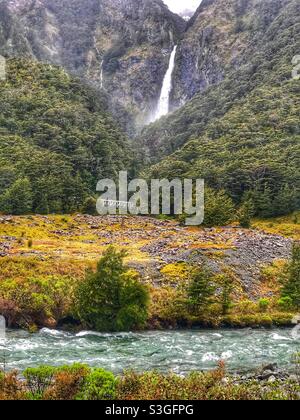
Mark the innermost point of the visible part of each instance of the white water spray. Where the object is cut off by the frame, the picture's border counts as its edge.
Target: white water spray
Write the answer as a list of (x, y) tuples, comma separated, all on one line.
[(164, 99)]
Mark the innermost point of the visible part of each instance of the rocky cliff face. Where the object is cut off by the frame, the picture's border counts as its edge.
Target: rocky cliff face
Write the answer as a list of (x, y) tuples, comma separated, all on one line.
[(121, 46), (217, 41), (225, 54)]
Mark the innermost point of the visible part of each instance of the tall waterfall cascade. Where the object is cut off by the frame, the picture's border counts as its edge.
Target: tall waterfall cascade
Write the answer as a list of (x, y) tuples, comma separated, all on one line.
[(163, 105)]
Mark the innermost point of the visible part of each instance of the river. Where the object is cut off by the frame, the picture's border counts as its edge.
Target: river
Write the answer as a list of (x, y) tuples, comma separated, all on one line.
[(177, 351)]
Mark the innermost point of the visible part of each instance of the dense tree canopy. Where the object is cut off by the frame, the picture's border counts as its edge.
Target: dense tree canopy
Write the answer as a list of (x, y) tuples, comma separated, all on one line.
[(56, 133)]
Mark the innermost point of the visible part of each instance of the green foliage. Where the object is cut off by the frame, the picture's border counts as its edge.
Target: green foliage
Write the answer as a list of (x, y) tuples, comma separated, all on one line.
[(226, 296), (291, 287), (79, 382), (201, 289), (34, 301), (242, 135), (286, 303), (219, 208), (17, 199), (39, 379), (56, 140), (98, 385), (112, 298), (245, 213), (89, 206), (263, 304)]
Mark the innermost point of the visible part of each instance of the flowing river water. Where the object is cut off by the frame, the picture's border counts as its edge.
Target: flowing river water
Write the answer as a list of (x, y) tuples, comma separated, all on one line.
[(177, 351)]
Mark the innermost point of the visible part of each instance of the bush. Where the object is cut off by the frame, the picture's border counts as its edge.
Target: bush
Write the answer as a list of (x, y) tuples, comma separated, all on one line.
[(227, 289), (67, 382), (285, 303), (112, 298), (245, 214), (38, 380), (89, 206), (98, 385), (35, 301), (263, 304)]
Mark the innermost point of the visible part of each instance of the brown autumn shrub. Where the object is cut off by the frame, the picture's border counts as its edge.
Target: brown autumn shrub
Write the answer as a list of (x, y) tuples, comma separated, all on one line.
[(11, 388), (155, 386), (67, 383)]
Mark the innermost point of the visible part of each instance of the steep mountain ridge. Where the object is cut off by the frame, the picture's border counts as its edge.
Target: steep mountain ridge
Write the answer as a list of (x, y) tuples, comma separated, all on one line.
[(269, 53), (242, 135), (121, 46)]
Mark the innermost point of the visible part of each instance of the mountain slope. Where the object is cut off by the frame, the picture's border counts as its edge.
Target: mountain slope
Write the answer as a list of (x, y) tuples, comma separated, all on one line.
[(121, 46), (267, 62), (243, 133), (56, 133), (217, 41)]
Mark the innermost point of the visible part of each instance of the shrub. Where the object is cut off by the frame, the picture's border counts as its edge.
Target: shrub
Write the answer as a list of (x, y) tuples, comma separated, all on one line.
[(67, 382), (227, 289), (245, 214), (38, 380), (247, 307), (11, 388), (89, 206), (285, 303), (112, 298), (98, 385), (263, 304), (35, 300)]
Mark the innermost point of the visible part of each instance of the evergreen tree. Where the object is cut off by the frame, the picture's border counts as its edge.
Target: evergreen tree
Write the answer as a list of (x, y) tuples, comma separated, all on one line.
[(17, 199), (263, 201), (246, 212), (43, 207), (89, 206), (112, 298), (291, 287), (227, 289), (286, 201), (201, 289), (219, 208)]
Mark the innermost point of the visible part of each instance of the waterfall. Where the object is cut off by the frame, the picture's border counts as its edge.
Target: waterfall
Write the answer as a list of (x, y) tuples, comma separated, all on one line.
[(164, 99), (101, 65)]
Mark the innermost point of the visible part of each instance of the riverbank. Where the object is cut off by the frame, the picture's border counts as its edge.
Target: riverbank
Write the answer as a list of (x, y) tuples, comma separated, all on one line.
[(43, 258), (79, 382)]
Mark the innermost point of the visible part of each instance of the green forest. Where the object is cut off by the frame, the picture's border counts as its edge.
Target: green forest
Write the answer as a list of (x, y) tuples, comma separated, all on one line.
[(56, 140)]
